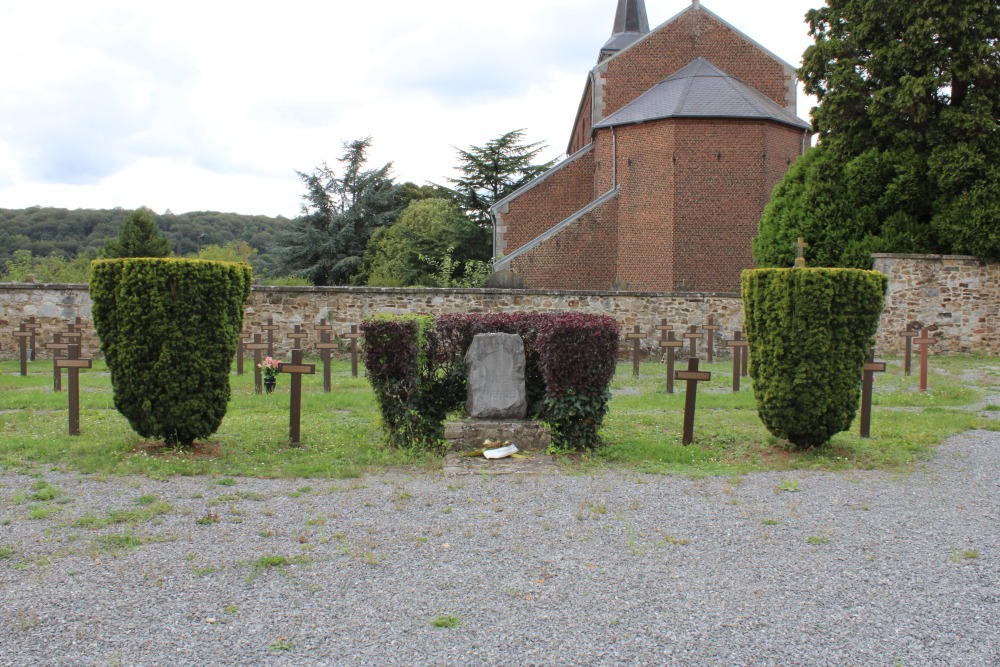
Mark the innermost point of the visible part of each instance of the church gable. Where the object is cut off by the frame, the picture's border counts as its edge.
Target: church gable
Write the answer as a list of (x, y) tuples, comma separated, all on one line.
[(693, 33)]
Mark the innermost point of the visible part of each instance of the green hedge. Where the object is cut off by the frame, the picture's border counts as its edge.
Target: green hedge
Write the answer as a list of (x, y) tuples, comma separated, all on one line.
[(417, 370), (810, 331), (169, 329)]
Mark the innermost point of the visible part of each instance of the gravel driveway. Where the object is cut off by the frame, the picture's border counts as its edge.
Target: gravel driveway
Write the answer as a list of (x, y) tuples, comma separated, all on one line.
[(618, 568)]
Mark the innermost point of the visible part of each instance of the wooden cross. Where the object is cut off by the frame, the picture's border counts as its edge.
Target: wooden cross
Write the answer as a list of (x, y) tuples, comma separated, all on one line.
[(324, 346), (270, 328), (867, 382), (74, 363), (241, 350), (745, 361), (23, 334), (635, 336), (800, 258), (296, 369), (59, 350), (923, 343), (353, 337), (257, 347), (34, 327), (693, 376), (738, 345), (693, 336), (710, 330), (909, 334), (667, 342), (297, 336)]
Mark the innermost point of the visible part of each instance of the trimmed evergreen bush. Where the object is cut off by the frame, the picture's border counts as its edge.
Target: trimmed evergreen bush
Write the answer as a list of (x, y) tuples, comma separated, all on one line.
[(169, 329), (810, 331), (417, 368)]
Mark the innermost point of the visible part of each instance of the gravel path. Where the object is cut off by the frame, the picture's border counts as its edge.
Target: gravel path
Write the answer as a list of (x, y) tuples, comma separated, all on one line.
[(801, 568)]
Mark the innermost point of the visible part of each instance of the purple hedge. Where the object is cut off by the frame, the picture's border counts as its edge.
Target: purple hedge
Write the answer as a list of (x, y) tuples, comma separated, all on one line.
[(417, 369)]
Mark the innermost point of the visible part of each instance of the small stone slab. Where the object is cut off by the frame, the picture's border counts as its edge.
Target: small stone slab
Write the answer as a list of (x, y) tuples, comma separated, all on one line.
[(469, 434), (495, 363)]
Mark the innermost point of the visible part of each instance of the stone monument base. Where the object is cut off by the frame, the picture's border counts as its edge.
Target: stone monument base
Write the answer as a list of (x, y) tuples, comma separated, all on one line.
[(469, 434)]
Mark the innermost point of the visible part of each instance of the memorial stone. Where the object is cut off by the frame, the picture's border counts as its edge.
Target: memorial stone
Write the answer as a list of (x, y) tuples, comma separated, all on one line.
[(495, 365)]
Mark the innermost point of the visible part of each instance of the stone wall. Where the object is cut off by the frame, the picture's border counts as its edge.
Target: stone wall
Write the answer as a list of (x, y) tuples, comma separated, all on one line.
[(958, 298)]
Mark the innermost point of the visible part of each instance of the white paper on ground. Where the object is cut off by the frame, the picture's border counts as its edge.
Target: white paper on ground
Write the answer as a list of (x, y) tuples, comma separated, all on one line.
[(499, 452)]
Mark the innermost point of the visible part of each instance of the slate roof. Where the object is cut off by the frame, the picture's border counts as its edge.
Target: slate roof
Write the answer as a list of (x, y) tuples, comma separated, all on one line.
[(631, 24), (701, 90)]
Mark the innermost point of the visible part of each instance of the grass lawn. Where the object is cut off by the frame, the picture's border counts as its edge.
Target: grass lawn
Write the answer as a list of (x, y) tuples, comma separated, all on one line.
[(341, 437)]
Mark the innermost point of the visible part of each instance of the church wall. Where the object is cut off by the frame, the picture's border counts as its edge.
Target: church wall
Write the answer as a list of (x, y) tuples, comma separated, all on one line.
[(581, 256), (584, 121), (694, 33), (549, 202), (720, 194), (646, 206)]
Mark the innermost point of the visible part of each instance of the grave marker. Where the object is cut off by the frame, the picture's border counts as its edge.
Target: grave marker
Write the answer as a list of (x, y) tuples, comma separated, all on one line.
[(297, 336), (34, 327), (745, 361), (270, 328), (257, 347), (667, 342), (241, 350), (635, 336), (59, 349), (22, 335), (800, 257), (739, 346), (324, 346), (909, 334), (923, 343), (692, 376), (74, 363), (710, 330), (867, 382), (353, 337), (693, 335), (296, 369)]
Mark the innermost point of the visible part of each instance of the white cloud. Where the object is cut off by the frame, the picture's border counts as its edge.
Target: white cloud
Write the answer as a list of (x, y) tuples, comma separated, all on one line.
[(214, 105)]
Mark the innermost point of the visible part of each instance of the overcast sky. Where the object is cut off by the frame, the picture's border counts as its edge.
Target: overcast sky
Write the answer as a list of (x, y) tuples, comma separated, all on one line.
[(214, 104)]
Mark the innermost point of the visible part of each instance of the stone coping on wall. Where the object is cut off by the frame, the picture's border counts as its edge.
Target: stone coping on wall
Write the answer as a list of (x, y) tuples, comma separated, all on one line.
[(692, 296), (939, 258)]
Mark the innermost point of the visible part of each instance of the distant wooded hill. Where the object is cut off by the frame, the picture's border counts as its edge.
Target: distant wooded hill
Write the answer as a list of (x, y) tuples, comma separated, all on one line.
[(47, 231)]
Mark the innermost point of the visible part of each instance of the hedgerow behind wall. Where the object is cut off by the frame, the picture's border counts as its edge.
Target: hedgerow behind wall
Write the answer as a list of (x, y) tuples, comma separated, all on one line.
[(417, 369)]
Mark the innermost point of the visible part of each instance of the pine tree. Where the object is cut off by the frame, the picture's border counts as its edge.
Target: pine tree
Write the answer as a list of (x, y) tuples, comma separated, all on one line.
[(493, 171), (339, 214), (139, 237)]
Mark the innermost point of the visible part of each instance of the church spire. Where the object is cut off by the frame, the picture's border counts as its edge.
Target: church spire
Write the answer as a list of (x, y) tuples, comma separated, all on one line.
[(630, 25)]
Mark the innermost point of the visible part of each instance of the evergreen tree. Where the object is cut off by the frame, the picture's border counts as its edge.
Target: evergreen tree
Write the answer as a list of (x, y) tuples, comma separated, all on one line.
[(909, 101), (139, 237), (491, 172), (339, 214)]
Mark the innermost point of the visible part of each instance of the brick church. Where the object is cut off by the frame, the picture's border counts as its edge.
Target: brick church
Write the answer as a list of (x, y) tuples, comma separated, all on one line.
[(681, 135)]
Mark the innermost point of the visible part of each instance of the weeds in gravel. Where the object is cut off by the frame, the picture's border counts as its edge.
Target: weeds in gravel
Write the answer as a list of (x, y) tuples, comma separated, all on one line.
[(789, 486), (341, 437), (282, 644), (274, 563), (147, 513), (7, 552), (817, 540), (208, 519), (960, 555), (446, 621)]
